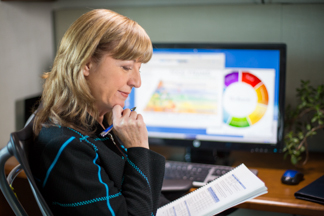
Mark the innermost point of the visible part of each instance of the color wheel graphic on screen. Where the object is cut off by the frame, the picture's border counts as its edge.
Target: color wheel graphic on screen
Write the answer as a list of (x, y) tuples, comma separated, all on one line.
[(245, 99)]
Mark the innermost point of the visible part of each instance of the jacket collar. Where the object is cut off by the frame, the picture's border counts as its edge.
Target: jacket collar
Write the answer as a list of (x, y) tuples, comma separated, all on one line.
[(97, 128)]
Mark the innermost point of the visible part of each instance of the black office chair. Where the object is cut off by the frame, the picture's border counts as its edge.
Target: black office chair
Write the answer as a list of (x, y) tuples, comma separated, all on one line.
[(18, 146)]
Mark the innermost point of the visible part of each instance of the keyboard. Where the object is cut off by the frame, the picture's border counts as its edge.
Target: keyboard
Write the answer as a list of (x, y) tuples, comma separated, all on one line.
[(199, 174)]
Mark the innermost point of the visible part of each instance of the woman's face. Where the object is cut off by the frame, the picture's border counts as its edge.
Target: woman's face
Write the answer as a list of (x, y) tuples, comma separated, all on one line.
[(111, 81)]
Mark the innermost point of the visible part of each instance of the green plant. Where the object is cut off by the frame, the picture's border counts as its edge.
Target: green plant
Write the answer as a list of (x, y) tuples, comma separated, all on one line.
[(303, 121)]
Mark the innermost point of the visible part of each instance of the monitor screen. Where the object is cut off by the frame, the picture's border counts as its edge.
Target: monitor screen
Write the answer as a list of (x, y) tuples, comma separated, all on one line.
[(214, 96)]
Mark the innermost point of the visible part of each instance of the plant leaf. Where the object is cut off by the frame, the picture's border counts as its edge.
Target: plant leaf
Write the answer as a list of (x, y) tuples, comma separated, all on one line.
[(293, 159)]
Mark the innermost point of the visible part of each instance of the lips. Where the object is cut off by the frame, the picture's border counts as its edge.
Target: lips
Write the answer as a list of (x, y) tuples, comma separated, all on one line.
[(124, 94)]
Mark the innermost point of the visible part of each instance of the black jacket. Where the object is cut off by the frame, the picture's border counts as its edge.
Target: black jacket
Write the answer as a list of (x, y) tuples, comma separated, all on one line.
[(82, 175)]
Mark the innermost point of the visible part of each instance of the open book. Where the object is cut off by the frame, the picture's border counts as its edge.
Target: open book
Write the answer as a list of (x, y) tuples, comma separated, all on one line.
[(231, 189)]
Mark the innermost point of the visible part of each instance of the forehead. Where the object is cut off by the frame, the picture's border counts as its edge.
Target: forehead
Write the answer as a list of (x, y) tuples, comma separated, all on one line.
[(126, 60), (108, 59)]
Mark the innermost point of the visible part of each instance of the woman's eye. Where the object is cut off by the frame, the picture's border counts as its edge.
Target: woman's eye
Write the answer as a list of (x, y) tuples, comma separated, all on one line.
[(127, 68)]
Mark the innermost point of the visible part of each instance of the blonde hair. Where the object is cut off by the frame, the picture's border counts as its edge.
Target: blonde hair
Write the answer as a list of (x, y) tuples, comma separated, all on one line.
[(66, 98)]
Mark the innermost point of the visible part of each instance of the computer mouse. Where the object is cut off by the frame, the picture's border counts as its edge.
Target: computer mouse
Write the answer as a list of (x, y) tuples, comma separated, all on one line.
[(292, 177)]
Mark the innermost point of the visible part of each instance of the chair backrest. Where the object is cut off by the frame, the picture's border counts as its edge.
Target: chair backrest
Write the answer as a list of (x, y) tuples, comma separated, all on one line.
[(19, 145)]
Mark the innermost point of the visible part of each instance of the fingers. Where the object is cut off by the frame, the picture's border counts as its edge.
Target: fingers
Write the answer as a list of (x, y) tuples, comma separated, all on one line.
[(121, 117), (139, 117), (129, 113), (117, 112), (130, 127)]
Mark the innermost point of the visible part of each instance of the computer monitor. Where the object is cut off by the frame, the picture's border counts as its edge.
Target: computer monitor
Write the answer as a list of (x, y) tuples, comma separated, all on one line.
[(30, 105), (214, 96)]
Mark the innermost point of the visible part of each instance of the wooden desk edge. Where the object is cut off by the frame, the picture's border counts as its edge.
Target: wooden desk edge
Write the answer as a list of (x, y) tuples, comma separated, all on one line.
[(12, 163), (303, 208)]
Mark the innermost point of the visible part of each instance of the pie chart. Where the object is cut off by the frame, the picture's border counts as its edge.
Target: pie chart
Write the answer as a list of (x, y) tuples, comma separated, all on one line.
[(245, 99)]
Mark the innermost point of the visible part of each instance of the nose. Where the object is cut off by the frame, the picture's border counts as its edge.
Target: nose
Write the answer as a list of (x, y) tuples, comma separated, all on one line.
[(135, 79)]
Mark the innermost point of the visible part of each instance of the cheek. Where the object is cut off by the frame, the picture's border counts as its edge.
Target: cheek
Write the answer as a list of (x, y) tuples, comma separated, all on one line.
[(103, 80), (117, 81), (98, 86)]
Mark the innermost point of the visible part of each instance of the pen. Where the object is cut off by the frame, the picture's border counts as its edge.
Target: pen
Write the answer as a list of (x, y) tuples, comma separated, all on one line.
[(108, 129)]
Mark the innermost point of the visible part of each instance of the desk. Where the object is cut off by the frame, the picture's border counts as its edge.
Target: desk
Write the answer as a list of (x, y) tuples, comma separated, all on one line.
[(280, 197)]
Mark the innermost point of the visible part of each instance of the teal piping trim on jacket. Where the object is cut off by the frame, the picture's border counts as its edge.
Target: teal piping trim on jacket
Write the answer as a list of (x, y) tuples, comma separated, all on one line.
[(123, 147), (76, 131), (106, 186), (138, 170), (86, 202), (101, 139), (85, 138), (56, 159)]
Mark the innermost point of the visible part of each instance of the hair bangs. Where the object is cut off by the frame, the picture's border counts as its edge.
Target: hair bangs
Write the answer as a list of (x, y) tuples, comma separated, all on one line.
[(134, 45)]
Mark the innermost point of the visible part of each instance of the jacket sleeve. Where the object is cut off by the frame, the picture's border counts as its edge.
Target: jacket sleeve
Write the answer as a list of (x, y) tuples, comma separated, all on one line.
[(144, 171), (74, 182)]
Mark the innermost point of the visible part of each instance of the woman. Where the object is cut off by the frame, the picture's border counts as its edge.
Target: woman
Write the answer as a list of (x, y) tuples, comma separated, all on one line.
[(78, 171)]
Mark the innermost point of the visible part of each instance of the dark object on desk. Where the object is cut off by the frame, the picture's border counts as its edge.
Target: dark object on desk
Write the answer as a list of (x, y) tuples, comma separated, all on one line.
[(292, 177), (313, 192), (176, 185)]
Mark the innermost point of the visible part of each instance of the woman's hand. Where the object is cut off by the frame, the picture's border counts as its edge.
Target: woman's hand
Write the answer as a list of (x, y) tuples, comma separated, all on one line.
[(130, 127)]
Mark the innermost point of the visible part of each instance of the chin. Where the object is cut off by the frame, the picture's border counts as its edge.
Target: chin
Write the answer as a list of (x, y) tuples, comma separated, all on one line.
[(119, 101), (122, 104)]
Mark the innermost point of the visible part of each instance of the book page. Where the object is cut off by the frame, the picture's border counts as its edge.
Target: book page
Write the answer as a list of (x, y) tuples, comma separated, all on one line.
[(233, 188)]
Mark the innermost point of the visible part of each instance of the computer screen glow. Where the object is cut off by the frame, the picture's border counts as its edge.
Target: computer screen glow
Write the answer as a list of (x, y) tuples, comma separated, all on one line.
[(216, 95)]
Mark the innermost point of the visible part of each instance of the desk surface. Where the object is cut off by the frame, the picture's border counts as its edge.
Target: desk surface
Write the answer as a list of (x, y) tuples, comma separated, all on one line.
[(280, 197)]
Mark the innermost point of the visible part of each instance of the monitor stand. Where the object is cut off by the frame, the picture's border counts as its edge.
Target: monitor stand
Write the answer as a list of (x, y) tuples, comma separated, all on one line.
[(207, 156)]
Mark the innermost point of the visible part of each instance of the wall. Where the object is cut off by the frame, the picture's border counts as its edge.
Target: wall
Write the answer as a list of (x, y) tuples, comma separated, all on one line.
[(300, 26), (26, 45)]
